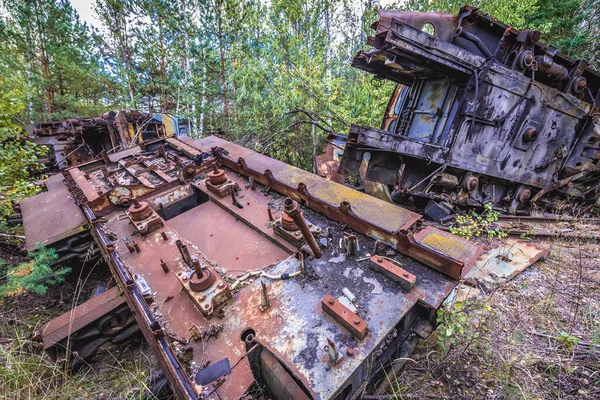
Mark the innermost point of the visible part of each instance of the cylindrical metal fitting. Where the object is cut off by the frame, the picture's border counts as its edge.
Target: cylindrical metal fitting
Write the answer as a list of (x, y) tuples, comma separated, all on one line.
[(217, 176), (471, 183), (164, 266), (197, 266), (292, 209), (185, 254), (139, 211)]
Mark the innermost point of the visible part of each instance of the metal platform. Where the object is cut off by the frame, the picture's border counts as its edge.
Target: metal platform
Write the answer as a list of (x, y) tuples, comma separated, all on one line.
[(51, 216)]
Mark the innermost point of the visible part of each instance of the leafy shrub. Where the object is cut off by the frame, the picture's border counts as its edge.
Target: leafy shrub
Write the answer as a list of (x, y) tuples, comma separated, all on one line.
[(474, 224), (33, 276)]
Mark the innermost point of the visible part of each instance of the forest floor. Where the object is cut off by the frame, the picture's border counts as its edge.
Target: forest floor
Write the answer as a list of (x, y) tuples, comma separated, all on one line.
[(534, 337)]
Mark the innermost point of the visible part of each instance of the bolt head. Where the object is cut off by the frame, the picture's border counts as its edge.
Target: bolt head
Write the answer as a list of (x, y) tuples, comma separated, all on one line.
[(356, 321), (405, 275), (331, 301), (206, 306), (220, 285), (379, 259), (202, 297)]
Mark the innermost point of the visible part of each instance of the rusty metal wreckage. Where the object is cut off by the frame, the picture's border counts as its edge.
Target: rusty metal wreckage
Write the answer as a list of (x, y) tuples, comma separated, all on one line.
[(276, 280), (482, 113)]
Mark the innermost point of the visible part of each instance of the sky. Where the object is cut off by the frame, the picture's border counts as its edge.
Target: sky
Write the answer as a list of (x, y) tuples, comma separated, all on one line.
[(86, 13), (85, 10)]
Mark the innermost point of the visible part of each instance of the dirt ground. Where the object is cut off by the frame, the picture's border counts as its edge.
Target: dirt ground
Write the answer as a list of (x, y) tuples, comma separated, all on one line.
[(535, 337)]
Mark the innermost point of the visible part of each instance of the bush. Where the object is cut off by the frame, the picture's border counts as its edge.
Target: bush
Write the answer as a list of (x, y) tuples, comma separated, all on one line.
[(33, 276)]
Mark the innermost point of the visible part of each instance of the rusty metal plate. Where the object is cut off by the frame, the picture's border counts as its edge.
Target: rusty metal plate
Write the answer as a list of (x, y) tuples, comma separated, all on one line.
[(450, 245), (395, 273), (226, 240), (51, 216), (378, 212), (84, 314), (342, 314), (182, 147), (504, 262), (114, 157)]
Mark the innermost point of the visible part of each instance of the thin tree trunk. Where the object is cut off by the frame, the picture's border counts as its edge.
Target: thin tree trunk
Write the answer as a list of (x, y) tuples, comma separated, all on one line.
[(163, 69), (327, 59), (48, 92), (222, 72)]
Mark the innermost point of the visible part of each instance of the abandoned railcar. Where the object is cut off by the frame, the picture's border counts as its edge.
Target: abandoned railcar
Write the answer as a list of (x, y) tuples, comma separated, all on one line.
[(482, 113)]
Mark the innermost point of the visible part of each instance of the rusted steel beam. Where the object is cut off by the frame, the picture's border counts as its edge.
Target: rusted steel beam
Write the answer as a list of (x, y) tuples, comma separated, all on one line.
[(349, 320), (403, 241), (395, 273), (70, 322)]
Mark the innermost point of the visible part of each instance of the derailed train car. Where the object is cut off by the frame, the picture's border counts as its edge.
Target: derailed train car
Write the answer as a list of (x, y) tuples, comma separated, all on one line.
[(76, 140), (482, 113)]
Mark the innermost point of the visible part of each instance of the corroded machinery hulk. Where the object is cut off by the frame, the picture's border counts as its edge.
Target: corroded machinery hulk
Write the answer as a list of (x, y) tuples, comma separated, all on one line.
[(482, 113)]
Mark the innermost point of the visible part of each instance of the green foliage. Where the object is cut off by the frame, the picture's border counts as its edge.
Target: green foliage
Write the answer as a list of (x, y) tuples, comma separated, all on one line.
[(53, 59), (18, 157), (568, 340), (34, 276), (475, 224), (276, 75), (455, 321)]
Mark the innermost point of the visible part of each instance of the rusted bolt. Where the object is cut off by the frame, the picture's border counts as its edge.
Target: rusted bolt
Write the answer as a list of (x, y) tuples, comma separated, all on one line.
[(405, 275), (128, 244), (350, 351), (202, 297), (379, 259), (221, 285), (331, 301), (270, 214), (530, 135), (136, 247), (164, 235), (164, 266), (356, 321)]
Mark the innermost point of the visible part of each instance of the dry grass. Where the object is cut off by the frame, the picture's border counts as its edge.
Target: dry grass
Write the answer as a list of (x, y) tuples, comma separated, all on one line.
[(535, 337)]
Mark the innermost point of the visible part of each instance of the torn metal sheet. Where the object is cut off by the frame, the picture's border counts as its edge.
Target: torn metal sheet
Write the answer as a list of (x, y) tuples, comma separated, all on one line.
[(504, 262)]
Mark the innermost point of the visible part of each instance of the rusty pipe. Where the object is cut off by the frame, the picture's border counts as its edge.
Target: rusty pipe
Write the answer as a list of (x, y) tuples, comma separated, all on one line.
[(292, 209), (197, 266)]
